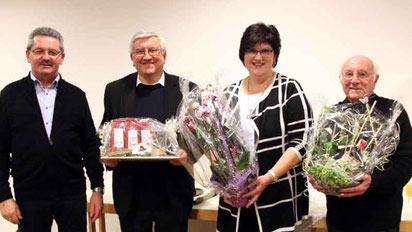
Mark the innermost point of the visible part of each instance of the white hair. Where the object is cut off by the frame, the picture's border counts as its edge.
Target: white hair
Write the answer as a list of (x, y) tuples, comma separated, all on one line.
[(147, 34)]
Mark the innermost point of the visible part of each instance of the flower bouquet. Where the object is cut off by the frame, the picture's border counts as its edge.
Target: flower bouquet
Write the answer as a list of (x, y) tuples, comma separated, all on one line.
[(138, 139), (348, 141), (218, 156)]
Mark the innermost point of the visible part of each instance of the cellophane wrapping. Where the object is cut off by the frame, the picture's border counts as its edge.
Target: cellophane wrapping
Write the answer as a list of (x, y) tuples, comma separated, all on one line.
[(349, 140), (136, 137), (218, 156)]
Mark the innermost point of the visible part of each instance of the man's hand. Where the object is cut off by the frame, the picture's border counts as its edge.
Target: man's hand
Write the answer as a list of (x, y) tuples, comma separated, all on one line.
[(111, 163), (182, 159), (316, 186), (365, 182), (95, 206), (10, 211), (258, 186)]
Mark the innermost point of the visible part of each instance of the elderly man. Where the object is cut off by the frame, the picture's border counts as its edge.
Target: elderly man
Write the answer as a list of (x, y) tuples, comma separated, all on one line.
[(46, 126), (376, 203), (147, 192)]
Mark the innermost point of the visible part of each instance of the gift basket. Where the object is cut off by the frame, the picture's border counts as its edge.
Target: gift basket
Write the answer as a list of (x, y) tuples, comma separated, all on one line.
[(349, 140), (218, 156), (138, 139)]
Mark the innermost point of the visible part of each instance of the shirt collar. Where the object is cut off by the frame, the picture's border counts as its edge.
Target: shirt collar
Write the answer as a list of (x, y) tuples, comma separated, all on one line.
[(371, 98), (161, 81), (37, 82)]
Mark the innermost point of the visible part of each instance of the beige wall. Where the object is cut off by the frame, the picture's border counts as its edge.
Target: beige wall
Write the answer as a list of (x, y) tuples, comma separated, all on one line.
[(203, 39)]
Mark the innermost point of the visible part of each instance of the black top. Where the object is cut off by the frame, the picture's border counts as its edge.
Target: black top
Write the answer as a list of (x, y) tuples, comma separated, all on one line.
[(380, 207), (149, 101), (42, 169)]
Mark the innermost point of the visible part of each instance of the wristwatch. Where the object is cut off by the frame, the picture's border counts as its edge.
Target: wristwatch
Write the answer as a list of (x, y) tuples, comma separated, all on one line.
[(99, 189)]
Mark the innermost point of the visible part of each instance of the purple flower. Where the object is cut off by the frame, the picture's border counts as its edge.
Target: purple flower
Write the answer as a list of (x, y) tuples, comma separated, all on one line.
[(188, 120), (202, 112), (233, 149), (209, 97)]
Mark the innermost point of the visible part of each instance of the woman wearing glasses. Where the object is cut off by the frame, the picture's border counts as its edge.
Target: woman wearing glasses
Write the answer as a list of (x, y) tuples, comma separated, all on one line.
[(275, 115)]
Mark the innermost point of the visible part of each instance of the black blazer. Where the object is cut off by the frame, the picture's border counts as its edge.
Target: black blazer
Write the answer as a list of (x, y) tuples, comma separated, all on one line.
[(119, 102), (43, 168)]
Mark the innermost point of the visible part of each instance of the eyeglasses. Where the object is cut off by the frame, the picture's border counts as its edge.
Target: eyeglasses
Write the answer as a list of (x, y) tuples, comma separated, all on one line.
[(361, 75), (40, 52), (142, 51), (264, 52)]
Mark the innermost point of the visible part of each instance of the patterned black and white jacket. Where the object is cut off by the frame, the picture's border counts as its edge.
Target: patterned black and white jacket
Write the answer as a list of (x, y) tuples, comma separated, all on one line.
[(282, 120)]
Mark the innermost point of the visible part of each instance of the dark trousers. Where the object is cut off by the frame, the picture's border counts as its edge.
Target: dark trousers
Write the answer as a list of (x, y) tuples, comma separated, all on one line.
[(69, 213), (247, 222), (334, 229), (163, 221)]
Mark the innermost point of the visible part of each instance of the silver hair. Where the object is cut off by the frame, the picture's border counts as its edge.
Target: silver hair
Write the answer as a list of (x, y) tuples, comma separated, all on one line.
[(46, 31), (147, 34)]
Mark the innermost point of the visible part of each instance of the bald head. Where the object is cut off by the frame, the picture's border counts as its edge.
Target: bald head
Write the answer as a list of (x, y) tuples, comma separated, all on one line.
[(358, 77), (359, 59)]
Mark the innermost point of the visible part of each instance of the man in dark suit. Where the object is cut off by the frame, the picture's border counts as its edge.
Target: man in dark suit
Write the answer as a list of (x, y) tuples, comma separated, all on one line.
[(375, 204), (46, 126), (147, 192)]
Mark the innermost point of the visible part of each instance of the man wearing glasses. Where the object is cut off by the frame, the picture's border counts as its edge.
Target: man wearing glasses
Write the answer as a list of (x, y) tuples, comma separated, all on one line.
[(46, 126), (376, 203), (148, 192)]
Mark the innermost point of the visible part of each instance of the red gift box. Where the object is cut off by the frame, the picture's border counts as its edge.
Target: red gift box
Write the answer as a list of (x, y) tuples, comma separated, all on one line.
[(129, 132)]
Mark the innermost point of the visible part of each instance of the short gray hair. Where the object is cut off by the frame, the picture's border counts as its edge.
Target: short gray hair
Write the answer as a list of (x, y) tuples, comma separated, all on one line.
[(147, 34), (46, 31)]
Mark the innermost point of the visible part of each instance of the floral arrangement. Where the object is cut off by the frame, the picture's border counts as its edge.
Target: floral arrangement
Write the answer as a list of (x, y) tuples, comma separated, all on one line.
[(348, 141), (218, 155)]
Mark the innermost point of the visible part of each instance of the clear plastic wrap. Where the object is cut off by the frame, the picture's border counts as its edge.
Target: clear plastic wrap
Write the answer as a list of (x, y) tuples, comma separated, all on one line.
[(138, 139), (218, 156), (349, 140)]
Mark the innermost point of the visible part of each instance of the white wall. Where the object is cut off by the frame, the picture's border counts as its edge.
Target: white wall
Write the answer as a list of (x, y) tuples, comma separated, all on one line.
[(203, 38)]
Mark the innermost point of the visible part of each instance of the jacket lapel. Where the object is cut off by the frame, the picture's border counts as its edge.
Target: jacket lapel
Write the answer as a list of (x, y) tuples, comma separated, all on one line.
[(31, 93), (172, 95), (128, 103)]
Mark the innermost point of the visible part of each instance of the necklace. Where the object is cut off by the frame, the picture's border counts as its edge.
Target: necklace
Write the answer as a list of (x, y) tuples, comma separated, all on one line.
[(253, 109)]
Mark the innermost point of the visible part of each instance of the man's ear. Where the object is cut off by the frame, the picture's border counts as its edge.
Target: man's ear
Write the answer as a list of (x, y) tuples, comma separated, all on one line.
[(63, 55), (376, 78), (131, 58), (340, 78), (28, 56)]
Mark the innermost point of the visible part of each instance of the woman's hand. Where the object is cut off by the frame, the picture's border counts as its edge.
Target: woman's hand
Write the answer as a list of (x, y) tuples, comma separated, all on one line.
[(228, 202), (257, 188)]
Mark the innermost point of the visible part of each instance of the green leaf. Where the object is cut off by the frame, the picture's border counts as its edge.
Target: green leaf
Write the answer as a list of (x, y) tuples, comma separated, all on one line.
[(331, 147), (219, 174), (243, 162)]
